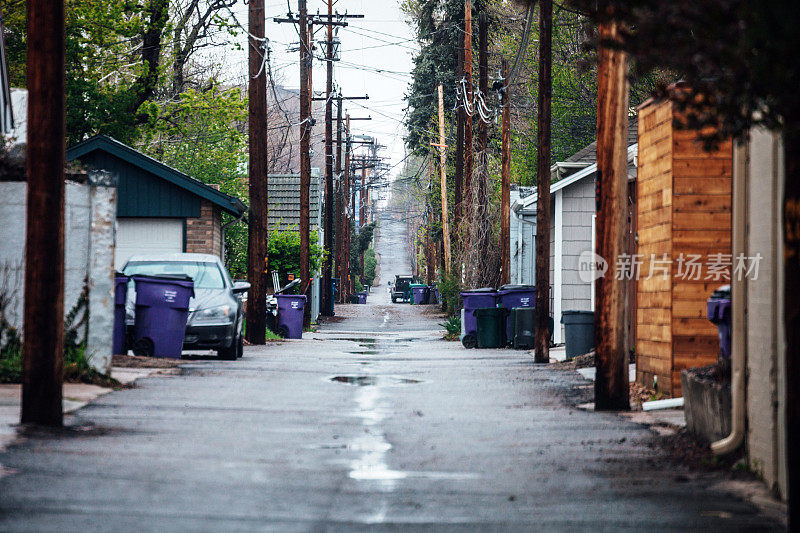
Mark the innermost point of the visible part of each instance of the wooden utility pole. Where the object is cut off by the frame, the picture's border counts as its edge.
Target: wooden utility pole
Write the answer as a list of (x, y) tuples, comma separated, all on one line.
[(469, 160), (340, 206), (429, 218), (611, 384), (305, 157), (459, 166), (43, 343), (542, 340), (505, 177), (345, 282), (327, 264), (483, 82), (256, 315), (362, 210), (443, 172)]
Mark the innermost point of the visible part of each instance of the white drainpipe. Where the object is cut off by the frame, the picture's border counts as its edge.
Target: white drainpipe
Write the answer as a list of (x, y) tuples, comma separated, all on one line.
[(738, 295)]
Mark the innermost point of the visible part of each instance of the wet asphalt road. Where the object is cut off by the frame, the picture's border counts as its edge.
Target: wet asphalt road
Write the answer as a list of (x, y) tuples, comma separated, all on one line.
[(372, 424)]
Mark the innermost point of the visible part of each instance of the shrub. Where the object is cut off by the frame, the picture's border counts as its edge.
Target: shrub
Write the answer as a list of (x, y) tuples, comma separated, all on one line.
[(370, 264), (283, 253), (452, 326), (448, 290)]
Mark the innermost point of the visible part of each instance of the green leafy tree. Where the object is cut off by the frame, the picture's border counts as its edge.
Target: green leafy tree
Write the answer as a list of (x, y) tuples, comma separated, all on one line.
[(439, 28), (203, 133), (283, 253), (112, 61)]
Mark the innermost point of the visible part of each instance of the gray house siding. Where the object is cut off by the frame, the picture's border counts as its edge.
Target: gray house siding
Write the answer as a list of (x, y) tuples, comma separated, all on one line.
[(578, 208)]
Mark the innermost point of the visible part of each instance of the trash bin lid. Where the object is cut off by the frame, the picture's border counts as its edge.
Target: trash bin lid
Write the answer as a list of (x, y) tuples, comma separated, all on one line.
[(722, 293), (513, 287), (481, 290), (577, 317), (490, 311), (162, 277), (290, 296)]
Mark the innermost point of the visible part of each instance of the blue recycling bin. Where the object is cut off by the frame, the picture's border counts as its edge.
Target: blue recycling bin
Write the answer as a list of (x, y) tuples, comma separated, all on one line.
[(290, 315), (718, 310), (162, 311), (513, 296), (120, 298), (474, 299)]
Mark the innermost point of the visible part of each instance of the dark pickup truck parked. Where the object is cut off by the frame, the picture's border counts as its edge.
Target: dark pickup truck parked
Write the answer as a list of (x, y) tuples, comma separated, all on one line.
[(402, 288)]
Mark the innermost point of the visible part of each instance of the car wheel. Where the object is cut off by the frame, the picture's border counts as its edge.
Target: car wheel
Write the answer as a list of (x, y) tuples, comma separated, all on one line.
[(394, 300), (229, 353)]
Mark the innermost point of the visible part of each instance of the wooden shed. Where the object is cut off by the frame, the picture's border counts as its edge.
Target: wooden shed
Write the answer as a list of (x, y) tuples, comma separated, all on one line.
[(683, 218)]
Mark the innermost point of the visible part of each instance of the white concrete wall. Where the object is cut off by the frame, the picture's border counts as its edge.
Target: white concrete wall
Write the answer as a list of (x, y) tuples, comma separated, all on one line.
[(763, 331), (90, 213)]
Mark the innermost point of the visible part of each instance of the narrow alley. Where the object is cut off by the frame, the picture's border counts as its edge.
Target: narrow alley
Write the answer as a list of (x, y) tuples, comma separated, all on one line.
[(371, 423)]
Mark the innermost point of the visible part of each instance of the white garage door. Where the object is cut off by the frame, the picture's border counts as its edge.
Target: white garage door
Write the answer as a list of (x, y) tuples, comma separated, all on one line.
[(147, 236)]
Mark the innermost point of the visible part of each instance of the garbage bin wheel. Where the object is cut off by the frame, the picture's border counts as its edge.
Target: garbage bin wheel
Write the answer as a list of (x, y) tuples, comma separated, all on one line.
[(231, 352), (469, 341), (144, 347), (283, 331)]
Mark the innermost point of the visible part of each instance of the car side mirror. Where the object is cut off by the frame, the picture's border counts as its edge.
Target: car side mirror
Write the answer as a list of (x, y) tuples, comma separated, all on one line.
[(240, 287)]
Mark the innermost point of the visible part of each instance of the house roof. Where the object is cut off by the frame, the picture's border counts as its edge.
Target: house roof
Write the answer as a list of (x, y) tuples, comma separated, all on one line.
[(531, 199), (284, 200), (107, 144), (588, 154)]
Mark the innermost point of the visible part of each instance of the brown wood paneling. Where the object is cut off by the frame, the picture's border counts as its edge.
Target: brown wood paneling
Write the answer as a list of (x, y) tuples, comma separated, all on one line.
[(701, 168), (703, 203)]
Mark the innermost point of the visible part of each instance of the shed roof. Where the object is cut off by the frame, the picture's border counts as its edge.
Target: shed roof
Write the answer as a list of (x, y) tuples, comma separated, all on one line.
[(151, 166), (530, 200), (588, 154)]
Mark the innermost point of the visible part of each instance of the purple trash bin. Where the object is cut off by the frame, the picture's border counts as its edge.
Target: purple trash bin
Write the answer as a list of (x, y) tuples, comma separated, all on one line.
[(362, 297), (718, 310), (162, 310), (420, 295), (474, 299), (511, 296), (120, 297), (290, 315)]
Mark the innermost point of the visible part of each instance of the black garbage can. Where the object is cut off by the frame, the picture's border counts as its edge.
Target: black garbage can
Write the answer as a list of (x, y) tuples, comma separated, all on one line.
[(718, 309), (579, 332), (120, 299), (491, 323)]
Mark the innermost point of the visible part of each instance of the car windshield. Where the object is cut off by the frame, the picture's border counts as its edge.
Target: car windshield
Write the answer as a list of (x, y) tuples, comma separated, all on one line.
[(204, 275)]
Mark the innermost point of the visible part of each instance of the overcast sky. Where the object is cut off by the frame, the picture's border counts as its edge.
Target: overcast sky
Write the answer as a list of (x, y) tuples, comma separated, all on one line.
[(376, 54)]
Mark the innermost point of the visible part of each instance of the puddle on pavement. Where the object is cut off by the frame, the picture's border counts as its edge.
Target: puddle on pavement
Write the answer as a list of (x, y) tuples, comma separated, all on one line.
[(371, 381), (361, 340)]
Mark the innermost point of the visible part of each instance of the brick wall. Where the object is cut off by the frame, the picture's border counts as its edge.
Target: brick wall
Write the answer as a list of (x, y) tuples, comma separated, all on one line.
[(204, 234)]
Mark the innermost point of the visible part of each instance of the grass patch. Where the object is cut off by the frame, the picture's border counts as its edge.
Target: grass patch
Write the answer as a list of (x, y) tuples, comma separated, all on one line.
[(76, 365), (271, 336)]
